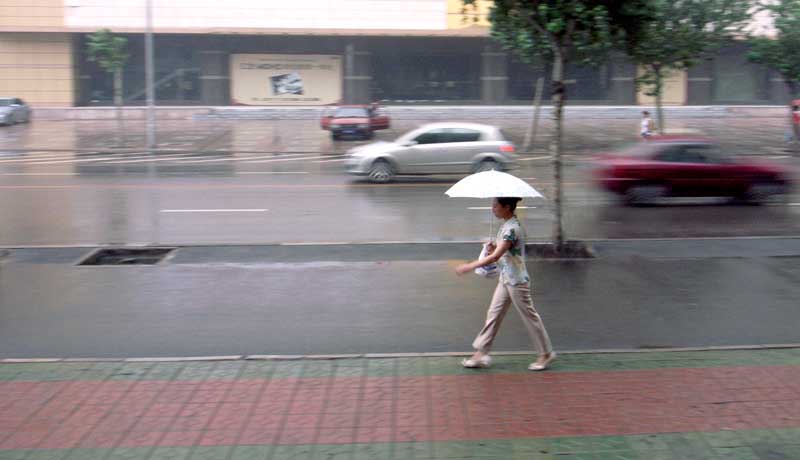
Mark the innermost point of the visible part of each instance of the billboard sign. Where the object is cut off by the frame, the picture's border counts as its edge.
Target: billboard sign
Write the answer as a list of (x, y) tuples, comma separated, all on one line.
[(285, 79)]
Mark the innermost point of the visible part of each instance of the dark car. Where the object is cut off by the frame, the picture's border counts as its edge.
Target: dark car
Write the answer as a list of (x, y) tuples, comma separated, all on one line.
[(355, 120), (687, 167)]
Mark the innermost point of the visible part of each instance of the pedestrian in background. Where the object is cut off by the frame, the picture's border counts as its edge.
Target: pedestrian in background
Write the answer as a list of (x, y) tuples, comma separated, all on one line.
[(513, 287), (647, 125), (795, 123)]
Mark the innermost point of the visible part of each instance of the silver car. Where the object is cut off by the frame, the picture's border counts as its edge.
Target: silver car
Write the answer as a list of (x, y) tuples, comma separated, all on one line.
[(437, 148), (13, 110)]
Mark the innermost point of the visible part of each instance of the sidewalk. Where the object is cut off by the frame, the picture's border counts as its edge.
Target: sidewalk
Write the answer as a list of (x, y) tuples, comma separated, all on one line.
[(732, 404)]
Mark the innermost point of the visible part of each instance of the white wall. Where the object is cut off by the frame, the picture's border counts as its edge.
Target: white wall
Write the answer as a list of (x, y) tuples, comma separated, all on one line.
[(268, 14)]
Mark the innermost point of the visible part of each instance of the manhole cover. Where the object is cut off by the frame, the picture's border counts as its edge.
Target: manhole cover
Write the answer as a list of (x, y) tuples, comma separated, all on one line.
[(127, 256)]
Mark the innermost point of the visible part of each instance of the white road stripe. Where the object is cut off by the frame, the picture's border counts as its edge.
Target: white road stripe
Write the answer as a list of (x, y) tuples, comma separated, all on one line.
[(289, 159), (272, 172), (489, 207), (72, 160), (544, 157), (38, 158), (37, 174), (218, 158), (145, 159), (212, 210)]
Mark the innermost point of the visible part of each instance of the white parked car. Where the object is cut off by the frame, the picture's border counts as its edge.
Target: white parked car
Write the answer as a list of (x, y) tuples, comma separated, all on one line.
[(437, 148), (13, 110)]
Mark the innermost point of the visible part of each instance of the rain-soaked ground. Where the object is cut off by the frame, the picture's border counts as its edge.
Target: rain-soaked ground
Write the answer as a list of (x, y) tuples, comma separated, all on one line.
[(222, 182), (267, 181), (757, 135)]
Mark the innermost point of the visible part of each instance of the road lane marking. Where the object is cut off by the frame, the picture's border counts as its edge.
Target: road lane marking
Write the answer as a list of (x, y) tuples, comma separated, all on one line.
[(332, 160), (230, 186), (489, 207), (219, 158), (38, 174), (147, 158), (290, 159), (212, 210), (543, 157), (272, 172)]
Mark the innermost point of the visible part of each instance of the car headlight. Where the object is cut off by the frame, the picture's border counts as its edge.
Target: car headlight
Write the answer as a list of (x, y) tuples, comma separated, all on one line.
[(335, 126)]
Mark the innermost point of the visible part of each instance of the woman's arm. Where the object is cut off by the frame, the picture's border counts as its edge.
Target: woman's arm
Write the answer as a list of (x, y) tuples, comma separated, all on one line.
[(489, 259)]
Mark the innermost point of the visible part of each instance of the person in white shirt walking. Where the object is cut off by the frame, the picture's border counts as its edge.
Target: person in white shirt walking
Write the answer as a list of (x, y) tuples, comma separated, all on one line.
[(647, 126), (513, 287)]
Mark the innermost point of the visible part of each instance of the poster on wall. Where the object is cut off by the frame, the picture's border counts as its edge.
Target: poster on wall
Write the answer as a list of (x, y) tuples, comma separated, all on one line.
[(285, 79)]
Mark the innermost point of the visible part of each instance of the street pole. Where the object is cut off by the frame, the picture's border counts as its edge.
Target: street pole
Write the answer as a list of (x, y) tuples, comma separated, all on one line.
[(150, 79), (151, 118)]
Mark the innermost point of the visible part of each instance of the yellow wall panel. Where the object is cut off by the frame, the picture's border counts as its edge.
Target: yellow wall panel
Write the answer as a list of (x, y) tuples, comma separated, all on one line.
[(37, 68), (39, 13)]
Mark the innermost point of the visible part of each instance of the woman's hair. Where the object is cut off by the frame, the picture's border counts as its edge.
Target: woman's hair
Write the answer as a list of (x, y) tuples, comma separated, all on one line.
[(509, 202)]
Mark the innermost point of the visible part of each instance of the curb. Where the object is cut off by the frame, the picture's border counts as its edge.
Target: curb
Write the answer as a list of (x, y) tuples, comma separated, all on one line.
[(444, 354)]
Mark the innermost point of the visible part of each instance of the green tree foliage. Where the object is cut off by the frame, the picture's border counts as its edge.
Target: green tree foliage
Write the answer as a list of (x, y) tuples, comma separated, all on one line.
[(680, 33), (558, 32), (109, 52), (781, 52)]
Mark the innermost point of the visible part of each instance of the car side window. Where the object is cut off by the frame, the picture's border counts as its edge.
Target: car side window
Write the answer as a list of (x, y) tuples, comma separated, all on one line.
[(463, 135), (695, 154), (434, 136), (671, 154), (707, 154)]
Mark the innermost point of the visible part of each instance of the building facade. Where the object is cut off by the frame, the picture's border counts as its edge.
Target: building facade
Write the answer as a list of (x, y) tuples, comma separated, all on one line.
[(317, 52)]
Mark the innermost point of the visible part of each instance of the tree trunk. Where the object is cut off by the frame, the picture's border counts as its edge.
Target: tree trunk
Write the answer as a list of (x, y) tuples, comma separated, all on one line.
[(659, 90), (558, 97), (118, 105), (530, 136), (792, 87)]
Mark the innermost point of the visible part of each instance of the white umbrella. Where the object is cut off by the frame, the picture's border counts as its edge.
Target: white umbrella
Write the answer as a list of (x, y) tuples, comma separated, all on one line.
[(492, 184)]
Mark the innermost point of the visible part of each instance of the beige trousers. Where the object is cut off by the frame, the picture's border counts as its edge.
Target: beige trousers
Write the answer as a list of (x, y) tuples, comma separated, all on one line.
[(520, 296)]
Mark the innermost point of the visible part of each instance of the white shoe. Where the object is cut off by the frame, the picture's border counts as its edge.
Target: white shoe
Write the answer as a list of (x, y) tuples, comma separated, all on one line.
[(480, 363), (540, 366)]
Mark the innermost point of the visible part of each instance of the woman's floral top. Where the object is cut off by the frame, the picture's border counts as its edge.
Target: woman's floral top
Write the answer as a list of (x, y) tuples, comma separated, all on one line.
[(512, 264)]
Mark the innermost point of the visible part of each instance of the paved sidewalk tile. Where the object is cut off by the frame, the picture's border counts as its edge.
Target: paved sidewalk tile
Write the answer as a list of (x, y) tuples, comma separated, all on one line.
[(733, 404)]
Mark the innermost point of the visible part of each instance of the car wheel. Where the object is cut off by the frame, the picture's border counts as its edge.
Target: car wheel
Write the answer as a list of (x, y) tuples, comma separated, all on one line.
[(764, 192), (335, 136), (638, 195), (369, 135), (381, 172), (487, 165)]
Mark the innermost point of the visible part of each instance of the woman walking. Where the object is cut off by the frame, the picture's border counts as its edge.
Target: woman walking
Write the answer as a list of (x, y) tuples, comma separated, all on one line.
[(513, 287)]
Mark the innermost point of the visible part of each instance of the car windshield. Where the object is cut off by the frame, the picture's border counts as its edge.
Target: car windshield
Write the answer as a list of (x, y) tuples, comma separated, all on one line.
[(5, 102), (637, 149), (351, 112)]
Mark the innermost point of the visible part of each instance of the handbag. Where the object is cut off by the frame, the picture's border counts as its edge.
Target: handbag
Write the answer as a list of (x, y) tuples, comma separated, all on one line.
[(487, 271)]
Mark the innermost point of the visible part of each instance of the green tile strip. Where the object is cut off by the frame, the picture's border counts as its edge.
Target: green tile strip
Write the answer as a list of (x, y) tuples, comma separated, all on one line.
[(387, 367), (754, 444)]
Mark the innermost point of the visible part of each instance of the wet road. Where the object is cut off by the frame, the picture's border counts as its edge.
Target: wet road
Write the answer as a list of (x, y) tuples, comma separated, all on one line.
[(300, 196), (255, 182), (326, 300)]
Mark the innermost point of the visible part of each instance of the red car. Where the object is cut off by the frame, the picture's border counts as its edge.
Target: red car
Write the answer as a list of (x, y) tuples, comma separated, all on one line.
[(671, 166), (354, 120)]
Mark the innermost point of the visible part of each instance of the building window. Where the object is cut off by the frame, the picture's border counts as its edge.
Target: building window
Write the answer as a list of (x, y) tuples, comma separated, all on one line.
[(426, 78)]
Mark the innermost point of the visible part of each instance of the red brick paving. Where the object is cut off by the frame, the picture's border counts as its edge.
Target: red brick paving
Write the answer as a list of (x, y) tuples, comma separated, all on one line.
[(66, 414)]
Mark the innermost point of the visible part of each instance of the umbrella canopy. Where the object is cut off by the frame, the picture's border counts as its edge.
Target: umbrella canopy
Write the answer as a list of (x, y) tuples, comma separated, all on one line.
[(492, 184)]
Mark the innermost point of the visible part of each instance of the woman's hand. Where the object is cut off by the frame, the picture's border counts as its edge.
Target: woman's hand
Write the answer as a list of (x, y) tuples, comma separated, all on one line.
[(463, 269)]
